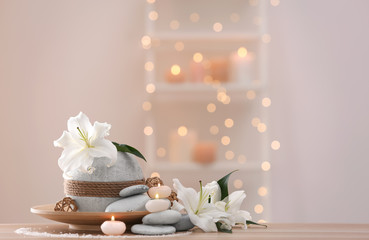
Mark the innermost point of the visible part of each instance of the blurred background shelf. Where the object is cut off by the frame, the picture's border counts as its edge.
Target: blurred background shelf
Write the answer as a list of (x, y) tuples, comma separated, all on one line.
[(205, 73), (200, 36), (225, 165), (201, 91)]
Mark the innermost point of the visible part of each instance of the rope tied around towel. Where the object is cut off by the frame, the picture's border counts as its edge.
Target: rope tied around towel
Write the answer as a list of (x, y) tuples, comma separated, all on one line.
[(97, 189)]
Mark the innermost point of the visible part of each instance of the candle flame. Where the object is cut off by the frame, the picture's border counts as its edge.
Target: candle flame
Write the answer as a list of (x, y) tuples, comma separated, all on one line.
[(175, 69), (158, 184), (112, 218), (157, 196)]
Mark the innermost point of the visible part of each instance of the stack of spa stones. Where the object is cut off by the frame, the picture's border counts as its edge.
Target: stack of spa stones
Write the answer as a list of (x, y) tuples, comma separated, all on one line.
[(161, 219)]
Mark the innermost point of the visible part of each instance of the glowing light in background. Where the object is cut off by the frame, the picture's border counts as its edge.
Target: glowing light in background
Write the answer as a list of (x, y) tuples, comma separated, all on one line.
[(242, 52), (238, 183), (153, 15), (182, 131), (253, 2), (194, 17), (146, 42), (241, 159), (146, 106), (217, 27), (150, 88), (148, 130), (227, 100), (257, 20), (149, 66), (265, 166), (228, 123), (226, 140), (258, 208), (174, 25), (266, 102), (250, 94), (179, 46), (155, 174), (211, 107), (197, 57), (234, 17), (229, 155), (275, 3), (275, 145), (262, 191), (266, 38), (214, 130), (255, 121), (175, 69), (208, 79), (261, 127), (161, 152), (221, 96), (261, 221)]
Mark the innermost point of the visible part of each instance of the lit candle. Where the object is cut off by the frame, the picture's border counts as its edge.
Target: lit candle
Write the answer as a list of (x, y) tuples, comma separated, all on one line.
[(205, 152), (175, 74), (161, 191), (219, 69), (181, 145), (197, 68), (157, 205), (241, 65), (113, 227)]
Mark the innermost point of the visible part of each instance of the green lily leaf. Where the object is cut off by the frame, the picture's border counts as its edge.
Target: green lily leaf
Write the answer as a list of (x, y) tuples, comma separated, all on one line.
[(248, 222), (223, 184), (128, 149), (220, 229)]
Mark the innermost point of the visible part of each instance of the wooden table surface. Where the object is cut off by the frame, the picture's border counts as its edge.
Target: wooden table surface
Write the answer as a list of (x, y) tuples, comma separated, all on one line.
[(274, 231)]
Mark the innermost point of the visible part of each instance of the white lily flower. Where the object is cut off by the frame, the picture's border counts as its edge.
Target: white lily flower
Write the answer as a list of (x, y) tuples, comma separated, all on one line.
[(201, 211), (232, 206), (84, 142)]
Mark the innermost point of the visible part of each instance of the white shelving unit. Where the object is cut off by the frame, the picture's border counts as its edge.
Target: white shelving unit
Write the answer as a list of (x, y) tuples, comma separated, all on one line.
[(185, 104)]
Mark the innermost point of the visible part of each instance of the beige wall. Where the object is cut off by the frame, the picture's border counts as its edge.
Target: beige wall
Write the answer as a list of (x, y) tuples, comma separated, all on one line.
[(60, 57)]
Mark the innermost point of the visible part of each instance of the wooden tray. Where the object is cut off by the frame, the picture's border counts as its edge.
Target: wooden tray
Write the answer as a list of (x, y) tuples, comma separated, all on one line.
[(87, 220)]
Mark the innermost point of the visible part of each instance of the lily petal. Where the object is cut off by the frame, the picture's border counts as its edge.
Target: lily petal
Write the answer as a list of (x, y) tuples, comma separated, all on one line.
[(99, 130), (188, 196), (71, 158), (81, 121), (206, 223), (177, 206), (104, 148), (235, 200), (66, 140), (214, 189)]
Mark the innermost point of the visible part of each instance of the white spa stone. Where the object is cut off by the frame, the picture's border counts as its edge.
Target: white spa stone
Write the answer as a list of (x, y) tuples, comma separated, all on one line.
[(162, 218), (133, 190), (152, 230), (184, 223), (129, 204), (157, 205), (126, 168)]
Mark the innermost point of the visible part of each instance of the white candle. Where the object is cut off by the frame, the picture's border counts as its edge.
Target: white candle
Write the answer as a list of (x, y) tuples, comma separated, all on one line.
[(162, 191), (113, 227), (157, 205), (241, 66), (180, 147), (197, 72)]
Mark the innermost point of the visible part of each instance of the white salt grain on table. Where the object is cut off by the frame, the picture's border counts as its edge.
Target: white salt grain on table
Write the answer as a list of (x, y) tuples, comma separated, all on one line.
[(33, 233)]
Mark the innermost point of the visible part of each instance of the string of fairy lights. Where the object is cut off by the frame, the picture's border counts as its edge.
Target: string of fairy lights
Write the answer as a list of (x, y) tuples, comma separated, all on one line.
[(221, 92)]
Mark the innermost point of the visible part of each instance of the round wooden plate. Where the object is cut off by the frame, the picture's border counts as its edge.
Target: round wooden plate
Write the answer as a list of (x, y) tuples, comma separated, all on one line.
[(87, 220)]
